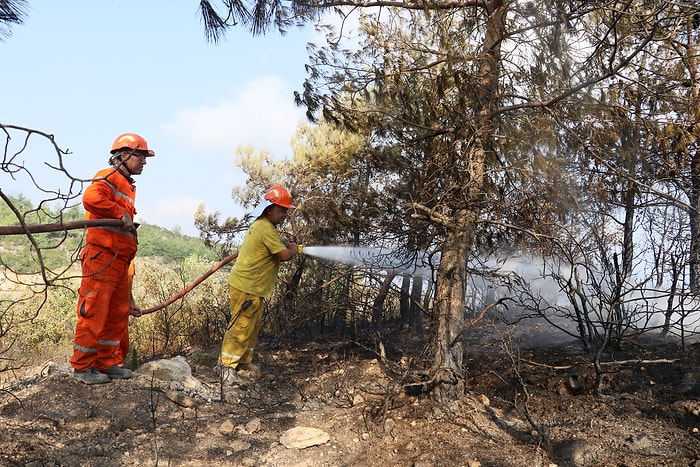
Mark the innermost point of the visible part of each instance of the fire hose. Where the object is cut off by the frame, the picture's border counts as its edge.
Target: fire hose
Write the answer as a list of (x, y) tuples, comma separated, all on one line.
[(81, 224), (194, 284)]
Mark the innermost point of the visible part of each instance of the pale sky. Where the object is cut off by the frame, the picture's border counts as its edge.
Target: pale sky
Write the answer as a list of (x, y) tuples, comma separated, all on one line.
[(89, 70)]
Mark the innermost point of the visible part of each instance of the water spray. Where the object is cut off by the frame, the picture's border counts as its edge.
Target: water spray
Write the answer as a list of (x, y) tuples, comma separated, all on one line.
[(410, 264)]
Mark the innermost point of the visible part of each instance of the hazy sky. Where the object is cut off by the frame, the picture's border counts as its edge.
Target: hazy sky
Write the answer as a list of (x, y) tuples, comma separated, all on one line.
[(89, 70)]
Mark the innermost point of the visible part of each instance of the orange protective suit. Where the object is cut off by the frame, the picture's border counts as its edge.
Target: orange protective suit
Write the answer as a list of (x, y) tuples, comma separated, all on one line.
[(105, 289), (124, 341)]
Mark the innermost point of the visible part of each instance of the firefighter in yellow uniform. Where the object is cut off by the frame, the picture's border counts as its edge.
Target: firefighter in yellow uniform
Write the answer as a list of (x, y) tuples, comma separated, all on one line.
[(252, 279)]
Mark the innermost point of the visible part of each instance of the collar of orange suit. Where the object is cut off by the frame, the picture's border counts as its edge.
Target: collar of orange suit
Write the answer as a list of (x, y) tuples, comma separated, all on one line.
[(128, 177)]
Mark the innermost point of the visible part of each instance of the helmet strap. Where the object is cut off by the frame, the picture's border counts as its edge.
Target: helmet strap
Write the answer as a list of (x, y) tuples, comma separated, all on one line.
[(117, 162)]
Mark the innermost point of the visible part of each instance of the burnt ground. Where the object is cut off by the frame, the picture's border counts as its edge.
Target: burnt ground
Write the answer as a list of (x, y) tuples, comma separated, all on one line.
[(526, 405)]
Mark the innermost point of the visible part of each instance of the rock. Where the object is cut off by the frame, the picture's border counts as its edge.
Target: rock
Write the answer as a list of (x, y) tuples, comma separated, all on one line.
[(301, 437), (483, 400), (52, 368), (573, 450), (252, 426), (239, 446), (181, 399), (389, 425), (226, 427), (175, 370)]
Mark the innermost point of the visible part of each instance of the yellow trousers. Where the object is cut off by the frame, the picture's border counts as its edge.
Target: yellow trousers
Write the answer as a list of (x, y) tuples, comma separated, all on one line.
[(242, 332)]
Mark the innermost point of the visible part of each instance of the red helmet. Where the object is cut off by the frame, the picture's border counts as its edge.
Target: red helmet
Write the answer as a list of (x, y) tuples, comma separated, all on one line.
[(280, 196), (131, 141)]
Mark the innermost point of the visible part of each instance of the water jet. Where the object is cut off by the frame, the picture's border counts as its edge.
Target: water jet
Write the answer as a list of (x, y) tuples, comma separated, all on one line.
[(410, 263)]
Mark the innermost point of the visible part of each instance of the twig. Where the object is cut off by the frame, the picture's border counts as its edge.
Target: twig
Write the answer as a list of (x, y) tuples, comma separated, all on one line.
[(617, 362)]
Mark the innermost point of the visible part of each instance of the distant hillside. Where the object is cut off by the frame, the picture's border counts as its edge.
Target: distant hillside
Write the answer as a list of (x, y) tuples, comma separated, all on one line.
[(164, 243)]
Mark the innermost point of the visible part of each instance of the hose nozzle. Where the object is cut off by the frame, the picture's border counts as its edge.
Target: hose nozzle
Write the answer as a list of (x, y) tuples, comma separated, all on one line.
[(300, 248)]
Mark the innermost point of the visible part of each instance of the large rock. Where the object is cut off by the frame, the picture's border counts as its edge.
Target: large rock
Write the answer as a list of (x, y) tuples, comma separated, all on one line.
[(301, 437), (174, 369)]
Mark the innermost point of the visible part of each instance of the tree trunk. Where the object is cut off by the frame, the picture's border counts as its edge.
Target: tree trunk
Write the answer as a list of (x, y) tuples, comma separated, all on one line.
[(405, 303), (448, 308), (378, 305), (415, 305)]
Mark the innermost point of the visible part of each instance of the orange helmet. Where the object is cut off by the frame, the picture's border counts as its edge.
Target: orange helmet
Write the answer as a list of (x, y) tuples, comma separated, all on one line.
[(131, 141), (280, 196)]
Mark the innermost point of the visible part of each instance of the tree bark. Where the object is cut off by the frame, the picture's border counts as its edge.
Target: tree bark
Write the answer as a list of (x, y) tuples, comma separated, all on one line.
[(405, 303), (448, 307), (378, 305), (415, 305)]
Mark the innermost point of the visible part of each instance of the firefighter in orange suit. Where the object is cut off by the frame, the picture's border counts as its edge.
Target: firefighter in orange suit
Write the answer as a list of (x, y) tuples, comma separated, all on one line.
[(252, 279), (105, 297)]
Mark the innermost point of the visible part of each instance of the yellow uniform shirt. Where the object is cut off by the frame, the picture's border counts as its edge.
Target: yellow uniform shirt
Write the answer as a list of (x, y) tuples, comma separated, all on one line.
[(257, 265)]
